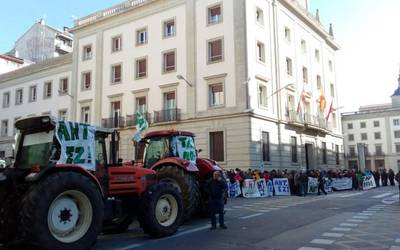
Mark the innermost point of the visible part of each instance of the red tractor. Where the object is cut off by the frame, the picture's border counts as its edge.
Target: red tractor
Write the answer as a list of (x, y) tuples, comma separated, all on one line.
[(65, 187), (173, 155)]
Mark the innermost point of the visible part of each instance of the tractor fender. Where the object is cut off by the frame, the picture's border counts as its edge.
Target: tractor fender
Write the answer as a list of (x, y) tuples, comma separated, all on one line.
[(33, 177), (207, 167), (186, 165)]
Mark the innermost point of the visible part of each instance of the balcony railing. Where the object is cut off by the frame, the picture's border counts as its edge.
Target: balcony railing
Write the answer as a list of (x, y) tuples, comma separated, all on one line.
[(295, 117), (167, 115), (308, 119), (131, 119), (113, 122)]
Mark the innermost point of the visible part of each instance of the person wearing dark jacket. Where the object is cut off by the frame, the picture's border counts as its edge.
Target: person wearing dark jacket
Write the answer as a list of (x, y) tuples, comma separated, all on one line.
[(377, 177), (397, 177), (321, 184), (384, 177), (391, 177), (215, 189)]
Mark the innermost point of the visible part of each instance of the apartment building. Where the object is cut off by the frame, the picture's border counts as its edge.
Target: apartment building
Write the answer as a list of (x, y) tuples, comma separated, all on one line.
[(376, 130), (254, 80), (38, 89)]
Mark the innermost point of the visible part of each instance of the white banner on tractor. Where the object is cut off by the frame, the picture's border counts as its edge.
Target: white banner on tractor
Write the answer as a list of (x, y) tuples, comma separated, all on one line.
[(77, 142), (184, 145)]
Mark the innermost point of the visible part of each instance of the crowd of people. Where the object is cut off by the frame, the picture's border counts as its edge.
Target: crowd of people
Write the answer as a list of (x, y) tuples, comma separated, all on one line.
[(298, 179)]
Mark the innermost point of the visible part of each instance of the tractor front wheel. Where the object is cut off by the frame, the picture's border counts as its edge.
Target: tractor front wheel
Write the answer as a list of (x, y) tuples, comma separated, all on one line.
[(186, 183), (63, 211), (161, 210)]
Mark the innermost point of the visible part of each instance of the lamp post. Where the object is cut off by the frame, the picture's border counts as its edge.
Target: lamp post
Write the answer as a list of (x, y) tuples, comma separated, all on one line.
[(180, 77)]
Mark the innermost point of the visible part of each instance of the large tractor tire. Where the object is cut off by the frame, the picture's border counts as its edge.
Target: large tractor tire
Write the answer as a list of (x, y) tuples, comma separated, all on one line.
[(8, 218), (62, 211), (161, 210), (186, 183)]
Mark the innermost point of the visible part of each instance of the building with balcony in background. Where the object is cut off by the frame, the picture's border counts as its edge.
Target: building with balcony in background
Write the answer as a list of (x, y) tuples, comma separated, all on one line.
[(246, 76), (376, 128)]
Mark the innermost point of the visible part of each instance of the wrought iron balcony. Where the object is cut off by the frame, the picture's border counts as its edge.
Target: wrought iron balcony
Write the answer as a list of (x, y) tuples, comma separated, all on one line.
[(113, 122), (131, 119), (167, 115)]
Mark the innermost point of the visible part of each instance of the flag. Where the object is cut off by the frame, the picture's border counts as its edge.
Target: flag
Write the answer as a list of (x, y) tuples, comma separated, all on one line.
[(322, 101), (141, 125), (330, 110)]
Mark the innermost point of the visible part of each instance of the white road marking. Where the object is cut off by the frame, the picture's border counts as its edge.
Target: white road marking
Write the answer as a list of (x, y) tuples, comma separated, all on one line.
[(395, 196), (360, 217), (322, 241), (250, 216), (264, 211), (366, 214), (351, 195), (394, 248), (352, 220), (229, 209), (348, 225), (189, 231), (129, 247), (335, 235), (341, 229), (310, 248), (381, 195), (238, 207)]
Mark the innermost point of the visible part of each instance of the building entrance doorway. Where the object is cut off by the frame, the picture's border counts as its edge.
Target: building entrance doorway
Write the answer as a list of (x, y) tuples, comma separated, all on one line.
[(309, 156)]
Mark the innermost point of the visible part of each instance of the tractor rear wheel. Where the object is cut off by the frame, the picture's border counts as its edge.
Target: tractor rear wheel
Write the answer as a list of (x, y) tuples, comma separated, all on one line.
[(161, 210), (8, 217), (63, 211), (186, 183)]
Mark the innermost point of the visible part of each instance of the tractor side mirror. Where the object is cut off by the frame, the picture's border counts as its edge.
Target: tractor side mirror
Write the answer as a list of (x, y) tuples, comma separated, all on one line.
[(133, 162), (199, 151), (120, 160)]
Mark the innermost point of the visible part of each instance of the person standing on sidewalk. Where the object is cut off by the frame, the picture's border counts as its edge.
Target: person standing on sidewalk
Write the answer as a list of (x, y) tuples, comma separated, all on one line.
[(215, 189), (304, 183), (398, 181), (384, 177), (360, 179), (391, 177)]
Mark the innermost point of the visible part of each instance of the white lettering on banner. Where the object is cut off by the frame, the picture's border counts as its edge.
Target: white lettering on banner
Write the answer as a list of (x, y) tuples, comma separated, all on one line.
[(270, 188), (368, 182), (184, 145), (312, 185), (77, 142), (281, 186), (234, 189), (342, 183), (328, 184), (250, 189)]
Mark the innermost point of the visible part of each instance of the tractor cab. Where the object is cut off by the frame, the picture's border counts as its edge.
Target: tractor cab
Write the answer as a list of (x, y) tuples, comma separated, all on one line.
[(160, 145)]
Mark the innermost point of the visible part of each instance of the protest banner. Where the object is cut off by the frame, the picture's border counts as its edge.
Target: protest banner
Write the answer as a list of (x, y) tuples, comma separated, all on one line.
[(250, 189), (328, 184), (234, 189), (77, 141), (263, 188), (184, 145), (342, 183), (368, 182), (281, 186), (141, 125), (312, 185), (270, 188)]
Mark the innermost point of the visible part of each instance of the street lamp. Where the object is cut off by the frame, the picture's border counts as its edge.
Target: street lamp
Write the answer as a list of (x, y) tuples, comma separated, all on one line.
[(180, 77), (60, 92)]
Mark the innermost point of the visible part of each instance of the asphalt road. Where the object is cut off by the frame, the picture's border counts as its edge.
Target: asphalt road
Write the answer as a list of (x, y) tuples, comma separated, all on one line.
[(340, 220)]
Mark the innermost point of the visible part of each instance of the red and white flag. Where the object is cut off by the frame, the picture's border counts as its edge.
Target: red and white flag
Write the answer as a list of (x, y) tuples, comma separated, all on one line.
[(330, 111), (299, 109)]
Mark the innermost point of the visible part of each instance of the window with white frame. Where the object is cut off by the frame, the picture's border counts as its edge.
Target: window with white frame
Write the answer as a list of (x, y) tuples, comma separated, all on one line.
[(215, 14), (350, 137), (141, 104), (116, 44), (85, 114), (305, 75), (141, 36), (215, 51), (377, 135), (87, 52), (6, 99), (349, 125), (259, 16), (141, 68), (289, 66), (19, 95), (4, 128), (287, 35), (317, 55), (169, 61), (216, 94), (260, 52), (86, 80), (396, 122), (116, 73), (63, 86), (376, 124), (303, 46), (169, 28), (364, 136), (262, 95), (332, 87), (319, 83), (63, 115), (32, 93), (48, 90), (363, 124), (397, 134)]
